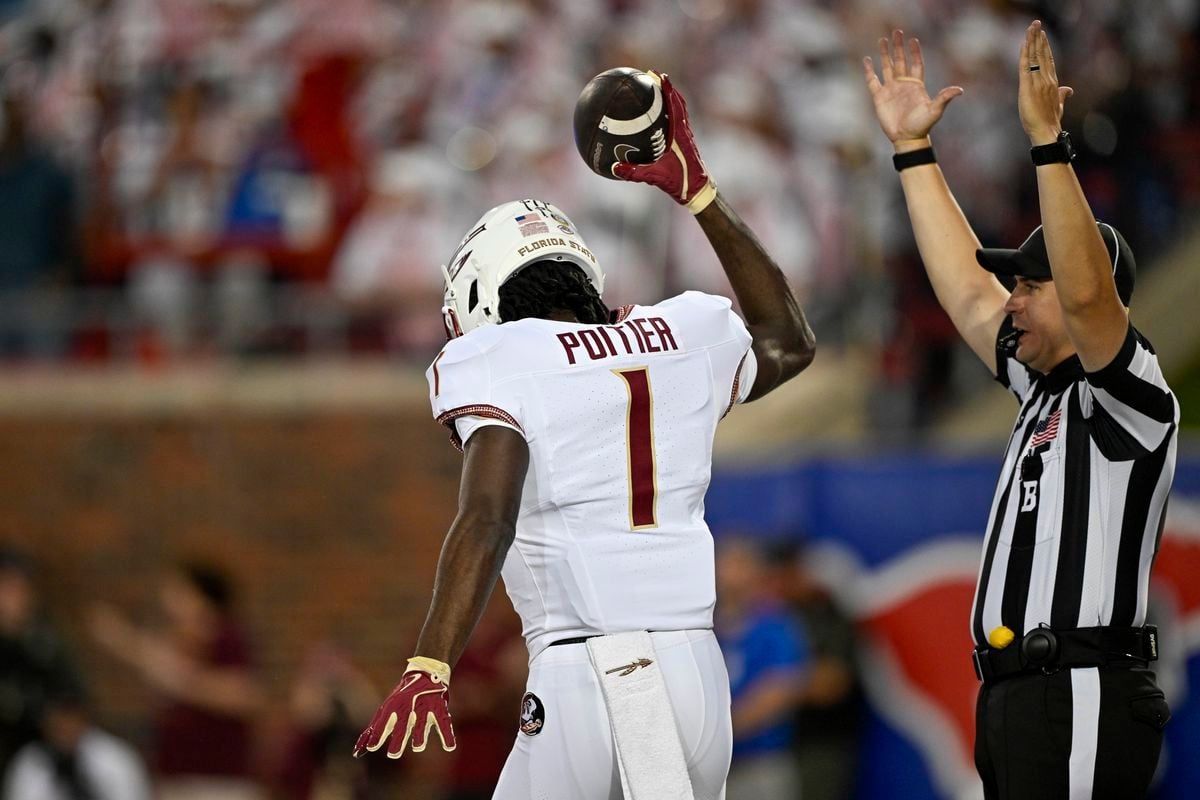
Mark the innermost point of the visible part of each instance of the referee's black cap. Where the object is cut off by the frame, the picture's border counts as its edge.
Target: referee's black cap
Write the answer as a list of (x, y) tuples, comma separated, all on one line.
[(1031, 260)]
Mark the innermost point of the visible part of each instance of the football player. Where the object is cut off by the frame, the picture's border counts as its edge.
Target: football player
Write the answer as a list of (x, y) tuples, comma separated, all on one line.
[(588, 435)]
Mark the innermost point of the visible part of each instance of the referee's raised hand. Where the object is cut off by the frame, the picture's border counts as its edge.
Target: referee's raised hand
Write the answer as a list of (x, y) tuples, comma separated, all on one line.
[(905, 110), (1039, 97)]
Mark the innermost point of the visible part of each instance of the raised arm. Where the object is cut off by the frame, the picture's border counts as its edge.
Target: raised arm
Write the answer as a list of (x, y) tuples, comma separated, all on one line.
[(1095, 319), (497, 459), (783, 342), (972, 297)]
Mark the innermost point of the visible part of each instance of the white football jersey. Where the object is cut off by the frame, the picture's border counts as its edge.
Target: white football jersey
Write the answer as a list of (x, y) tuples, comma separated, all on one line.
[(620, 422)]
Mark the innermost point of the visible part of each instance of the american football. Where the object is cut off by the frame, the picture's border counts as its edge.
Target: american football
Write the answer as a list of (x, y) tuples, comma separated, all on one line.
[(620, 116)]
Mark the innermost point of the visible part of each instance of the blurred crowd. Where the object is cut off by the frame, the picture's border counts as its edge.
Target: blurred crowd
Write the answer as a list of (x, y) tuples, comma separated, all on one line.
[(216, 724), (239, 177), (790, 650)]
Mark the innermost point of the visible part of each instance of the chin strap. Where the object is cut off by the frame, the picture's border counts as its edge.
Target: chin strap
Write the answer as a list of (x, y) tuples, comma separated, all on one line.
[(449, 316), (450, 323)]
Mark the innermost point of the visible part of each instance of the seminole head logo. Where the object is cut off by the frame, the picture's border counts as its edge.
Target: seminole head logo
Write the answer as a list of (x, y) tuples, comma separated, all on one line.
[(533, 715)]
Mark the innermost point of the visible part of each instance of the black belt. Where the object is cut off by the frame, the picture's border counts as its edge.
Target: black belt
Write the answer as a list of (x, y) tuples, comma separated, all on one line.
[(1047, 651), (582, 639), (574, 640)]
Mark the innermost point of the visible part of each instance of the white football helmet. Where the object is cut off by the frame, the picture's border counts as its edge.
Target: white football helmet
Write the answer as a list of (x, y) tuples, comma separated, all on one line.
[(504, 240)]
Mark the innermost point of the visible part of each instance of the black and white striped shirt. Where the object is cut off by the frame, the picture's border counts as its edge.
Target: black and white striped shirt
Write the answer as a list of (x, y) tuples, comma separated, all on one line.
[(1079, 507)]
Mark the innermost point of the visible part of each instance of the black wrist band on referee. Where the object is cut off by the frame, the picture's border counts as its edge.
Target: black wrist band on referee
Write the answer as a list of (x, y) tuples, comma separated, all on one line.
[(914, 158)]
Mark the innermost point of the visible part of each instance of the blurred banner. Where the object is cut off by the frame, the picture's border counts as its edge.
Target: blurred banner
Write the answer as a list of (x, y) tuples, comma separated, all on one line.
[(897, 540)]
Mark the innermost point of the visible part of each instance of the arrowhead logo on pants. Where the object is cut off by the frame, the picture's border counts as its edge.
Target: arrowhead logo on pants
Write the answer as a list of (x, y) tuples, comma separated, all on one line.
[(630, 668)]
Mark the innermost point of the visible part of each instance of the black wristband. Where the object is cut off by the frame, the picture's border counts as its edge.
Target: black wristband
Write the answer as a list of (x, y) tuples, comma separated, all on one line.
[(1060, 151), (914, 158)]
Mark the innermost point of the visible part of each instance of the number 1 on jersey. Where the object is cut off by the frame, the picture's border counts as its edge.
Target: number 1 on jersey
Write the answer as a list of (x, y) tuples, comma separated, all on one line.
[(639, 443)]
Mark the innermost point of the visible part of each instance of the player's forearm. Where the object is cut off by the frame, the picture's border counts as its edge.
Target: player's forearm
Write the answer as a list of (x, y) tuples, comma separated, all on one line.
[(772, 312), (1078, 259), (467, 570)]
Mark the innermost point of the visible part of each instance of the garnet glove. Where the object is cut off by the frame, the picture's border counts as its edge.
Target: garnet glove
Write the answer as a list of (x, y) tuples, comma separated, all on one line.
[(418, 703), (680, 172)]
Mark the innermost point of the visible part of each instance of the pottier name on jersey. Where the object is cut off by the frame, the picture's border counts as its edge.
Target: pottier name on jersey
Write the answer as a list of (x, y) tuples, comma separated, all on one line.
[(639, 335)]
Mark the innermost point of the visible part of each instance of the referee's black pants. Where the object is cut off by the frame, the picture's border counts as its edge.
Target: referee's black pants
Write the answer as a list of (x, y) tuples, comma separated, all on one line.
[(1081, 733)]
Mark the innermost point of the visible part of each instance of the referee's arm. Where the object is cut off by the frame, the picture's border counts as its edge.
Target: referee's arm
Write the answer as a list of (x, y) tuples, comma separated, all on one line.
[(1096, 320), (973, 297)]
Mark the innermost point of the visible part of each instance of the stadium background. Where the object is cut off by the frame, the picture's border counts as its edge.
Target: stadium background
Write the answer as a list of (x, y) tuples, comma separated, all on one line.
[(220, 225)]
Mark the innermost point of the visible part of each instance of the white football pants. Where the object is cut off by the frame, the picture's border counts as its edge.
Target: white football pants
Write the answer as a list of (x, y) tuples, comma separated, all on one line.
[(571, 755)]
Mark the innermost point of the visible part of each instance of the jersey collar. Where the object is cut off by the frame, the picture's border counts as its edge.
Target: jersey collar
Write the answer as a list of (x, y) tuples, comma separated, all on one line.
[(1066, 373)]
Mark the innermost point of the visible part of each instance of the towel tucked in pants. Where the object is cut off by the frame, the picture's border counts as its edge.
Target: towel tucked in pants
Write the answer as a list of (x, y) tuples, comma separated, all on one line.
[(570, 754)]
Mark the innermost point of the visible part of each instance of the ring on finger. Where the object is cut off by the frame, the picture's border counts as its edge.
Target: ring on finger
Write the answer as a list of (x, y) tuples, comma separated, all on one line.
[(910, 79), (1034, 67)]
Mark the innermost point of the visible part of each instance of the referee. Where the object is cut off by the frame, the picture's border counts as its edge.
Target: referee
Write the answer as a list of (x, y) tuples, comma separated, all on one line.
[(1067, 707)]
